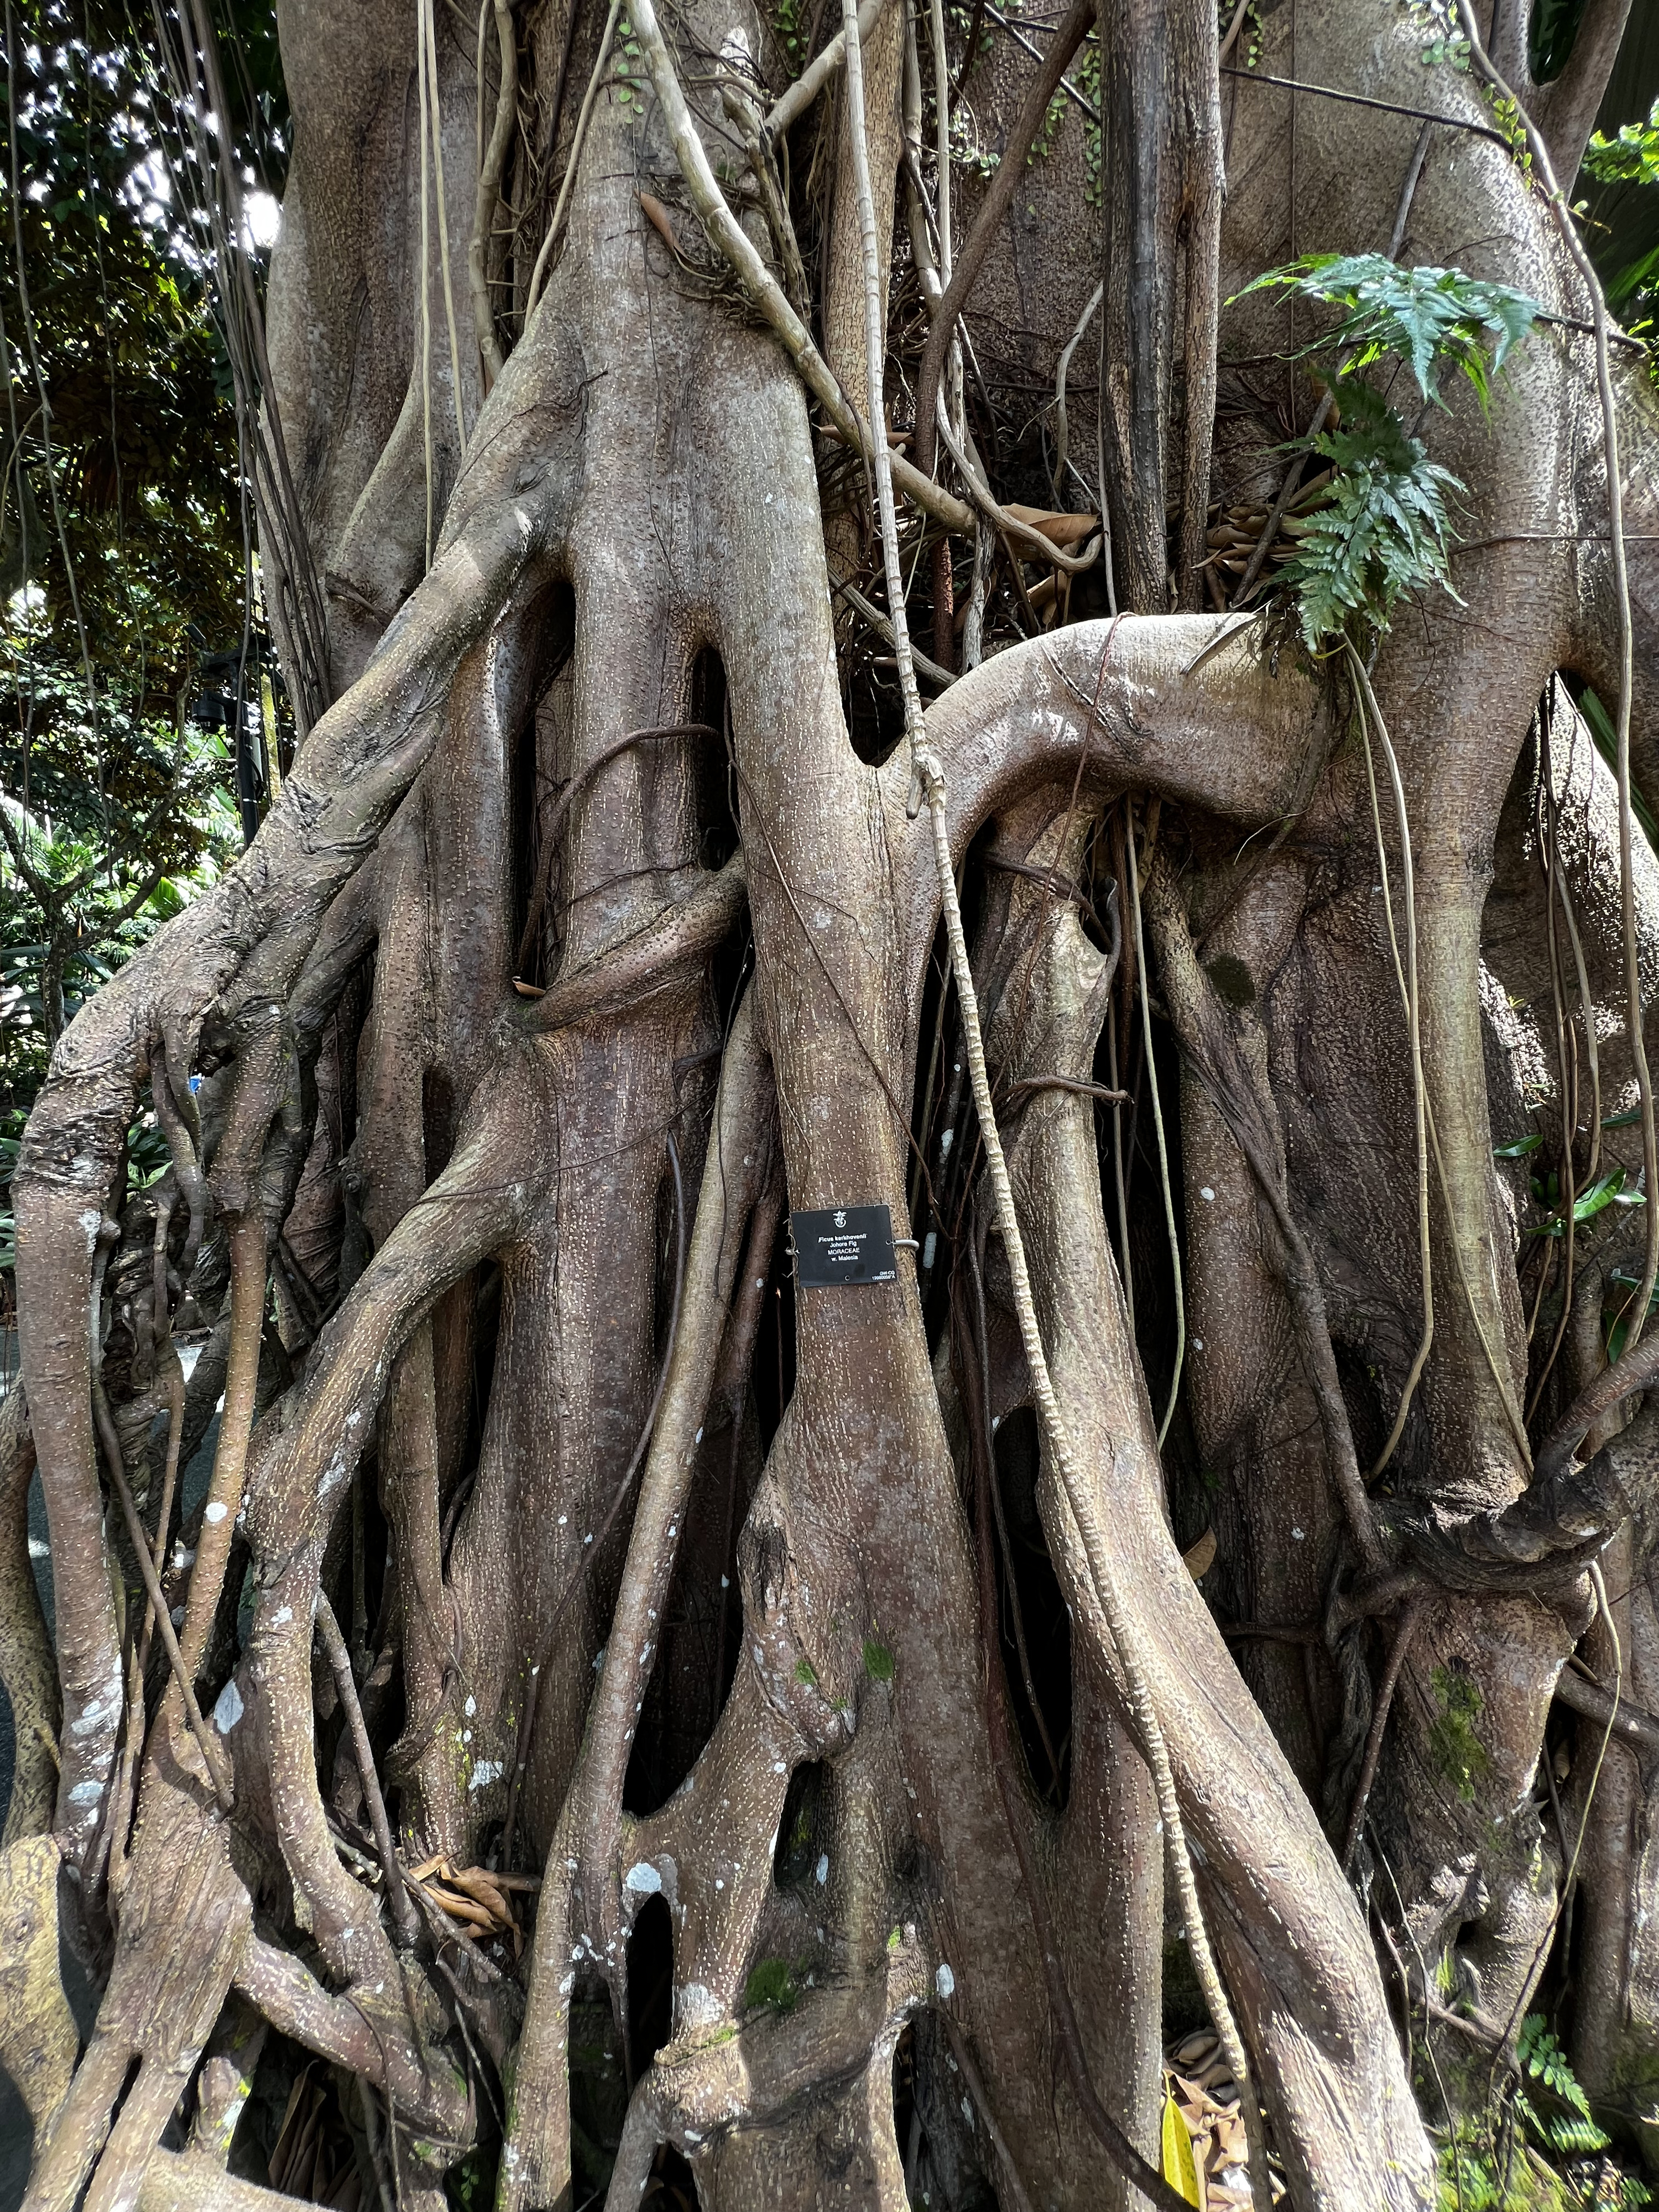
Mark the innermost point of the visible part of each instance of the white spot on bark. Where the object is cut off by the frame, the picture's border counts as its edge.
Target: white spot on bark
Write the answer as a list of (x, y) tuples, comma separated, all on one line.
[(1296, 1535), (945, 1981), (282, 1618), (216, 1512), (1207, 1194), (469, 1707), (695, 2006), (823, 1869), (945, 1142), (567, 1985), (228, 1710), (929, 1249), (486, 1771), (85, 1793), (642, 1878)]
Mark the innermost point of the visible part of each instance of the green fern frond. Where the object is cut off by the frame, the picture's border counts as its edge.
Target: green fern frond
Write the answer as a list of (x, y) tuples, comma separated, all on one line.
[(1430, 318), (1382, 531)]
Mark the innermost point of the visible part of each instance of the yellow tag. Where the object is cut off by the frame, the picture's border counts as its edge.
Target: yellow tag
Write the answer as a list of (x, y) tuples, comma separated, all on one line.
[(1179, 2170)]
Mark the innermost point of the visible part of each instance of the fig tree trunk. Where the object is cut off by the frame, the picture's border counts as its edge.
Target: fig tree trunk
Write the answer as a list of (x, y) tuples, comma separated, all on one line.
[(626, 1687)]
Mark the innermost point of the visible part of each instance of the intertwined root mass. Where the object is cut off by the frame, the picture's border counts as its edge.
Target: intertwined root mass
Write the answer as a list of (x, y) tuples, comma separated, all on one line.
[(592, 1704)]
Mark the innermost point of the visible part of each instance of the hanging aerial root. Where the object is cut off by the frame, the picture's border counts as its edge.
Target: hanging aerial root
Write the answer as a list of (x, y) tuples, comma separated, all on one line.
[(339, 1661), (1244, 1102), (730, 240), (27, 1668), (1297, 1947), (238, 949), (490, 172), (38, 2041), (976, 1404), (304, 1476), (1637, 1311), (928, 789), (581, 1902)]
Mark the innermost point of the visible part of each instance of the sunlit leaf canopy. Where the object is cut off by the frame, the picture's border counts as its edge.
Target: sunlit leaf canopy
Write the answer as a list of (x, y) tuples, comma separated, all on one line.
[(126, 545)]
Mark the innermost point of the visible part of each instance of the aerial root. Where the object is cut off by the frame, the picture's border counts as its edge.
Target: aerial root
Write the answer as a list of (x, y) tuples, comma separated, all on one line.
[(27, 1666), (1229, 1066), (1295, 1950), (38, 2041), (237, 951), (972, 1350), (581, 1900), (177, 1950), (692, 2090), (304, 1475), (367, 2031)]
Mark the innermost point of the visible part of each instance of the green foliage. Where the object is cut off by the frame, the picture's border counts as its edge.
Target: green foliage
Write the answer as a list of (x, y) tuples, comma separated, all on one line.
[(793, 24), (1475, 2176), (625, 67), (1431, 319), (1630, 156), (1247, 46), (771, 1984), (1606, 1190), (1516, 1148), (1556, 2114), (1382, 528), (1605, 738), (1445, 46), (879, 1662), (122, 547), (1553, 2162), (1382, 531), (118, 340)]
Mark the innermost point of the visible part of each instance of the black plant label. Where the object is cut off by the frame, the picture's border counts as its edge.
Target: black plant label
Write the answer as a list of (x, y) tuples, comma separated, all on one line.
[(842, 1245)]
